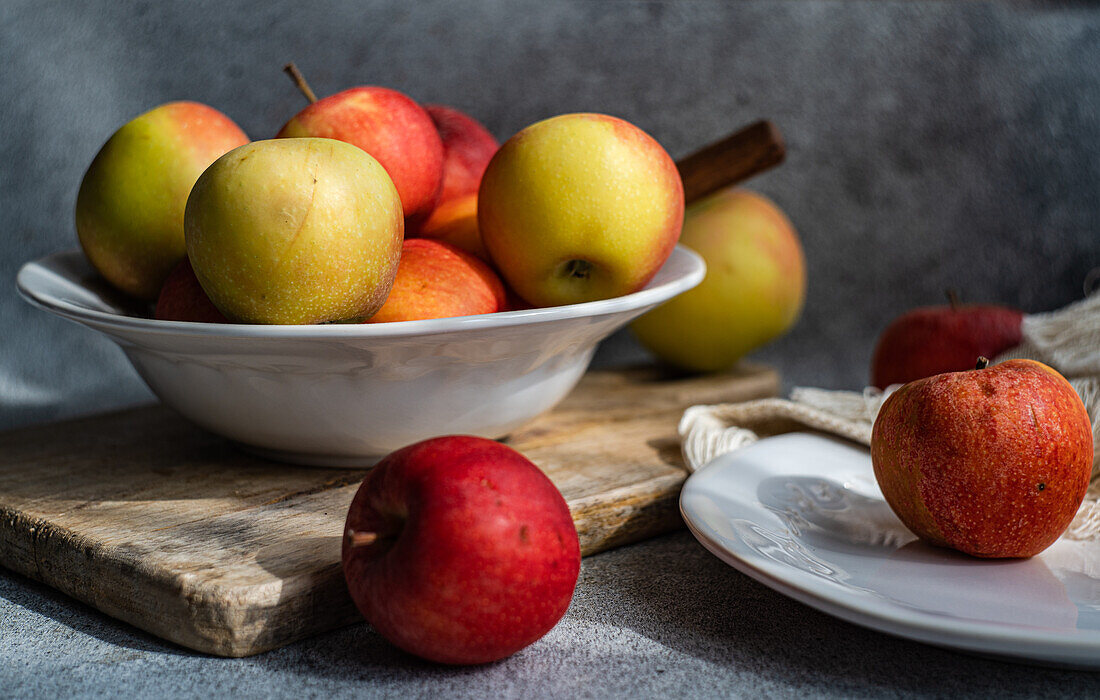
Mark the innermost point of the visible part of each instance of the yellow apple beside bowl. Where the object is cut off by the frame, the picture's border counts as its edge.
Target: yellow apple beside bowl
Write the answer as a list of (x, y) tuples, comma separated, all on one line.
[(753, 291)]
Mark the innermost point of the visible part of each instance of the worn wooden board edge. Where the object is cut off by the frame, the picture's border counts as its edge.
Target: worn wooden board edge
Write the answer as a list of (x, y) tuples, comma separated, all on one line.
[(310, 603)]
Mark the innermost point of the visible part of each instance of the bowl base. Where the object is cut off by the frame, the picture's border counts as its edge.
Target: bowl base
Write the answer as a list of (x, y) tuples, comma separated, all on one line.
[(309, 459)]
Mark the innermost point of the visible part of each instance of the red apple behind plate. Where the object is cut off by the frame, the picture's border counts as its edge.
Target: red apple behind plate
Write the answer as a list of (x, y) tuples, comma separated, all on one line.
[(936, 339)]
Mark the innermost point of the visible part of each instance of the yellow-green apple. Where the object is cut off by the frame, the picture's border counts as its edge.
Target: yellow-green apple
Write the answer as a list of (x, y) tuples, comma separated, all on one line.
[(390, 126), (936, 339), (467, 149), (580, 207), (183, 299), (454, 221), (992, 461), (129, 210), (295, 231), (459, 550), (439, 280), (753, 291)]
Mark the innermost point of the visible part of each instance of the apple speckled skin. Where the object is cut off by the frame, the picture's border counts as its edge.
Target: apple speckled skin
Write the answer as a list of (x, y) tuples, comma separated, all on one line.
[(295, 231), (936, 339), (993, 462), (477, 555)]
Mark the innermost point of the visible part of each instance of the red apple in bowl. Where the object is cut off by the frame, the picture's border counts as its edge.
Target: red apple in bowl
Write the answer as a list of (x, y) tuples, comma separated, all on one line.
[(459, 550), (467, 149), (993, 462), (438, 280), (388, 125), (455, 221), (183, 299), (936, 339)]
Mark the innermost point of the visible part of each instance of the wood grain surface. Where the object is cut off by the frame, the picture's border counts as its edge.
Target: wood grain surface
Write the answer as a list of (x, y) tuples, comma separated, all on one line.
[(172, 529)]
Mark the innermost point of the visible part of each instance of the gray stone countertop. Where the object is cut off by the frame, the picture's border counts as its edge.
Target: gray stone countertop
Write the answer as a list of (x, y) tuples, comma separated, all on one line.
[(659, 618)]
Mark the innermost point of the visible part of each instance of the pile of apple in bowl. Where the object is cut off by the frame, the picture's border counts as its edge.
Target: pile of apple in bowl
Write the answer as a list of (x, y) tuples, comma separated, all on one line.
[(378, 273)]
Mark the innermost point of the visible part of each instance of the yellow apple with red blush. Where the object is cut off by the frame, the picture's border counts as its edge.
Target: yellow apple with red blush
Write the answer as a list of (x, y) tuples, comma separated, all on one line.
[(295, 231), (580, 207), (129, 210), (753, 291)]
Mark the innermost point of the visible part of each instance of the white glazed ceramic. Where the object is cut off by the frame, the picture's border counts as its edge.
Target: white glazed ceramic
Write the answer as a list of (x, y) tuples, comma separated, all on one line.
[(343, 394), (802, 513)]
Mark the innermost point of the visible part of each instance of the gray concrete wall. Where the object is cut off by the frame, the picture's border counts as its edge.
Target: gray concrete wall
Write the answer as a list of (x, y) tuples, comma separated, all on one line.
[(931, 145)]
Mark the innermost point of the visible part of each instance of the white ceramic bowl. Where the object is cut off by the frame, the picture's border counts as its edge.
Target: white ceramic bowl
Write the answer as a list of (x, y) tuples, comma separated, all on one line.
[(344, 394)]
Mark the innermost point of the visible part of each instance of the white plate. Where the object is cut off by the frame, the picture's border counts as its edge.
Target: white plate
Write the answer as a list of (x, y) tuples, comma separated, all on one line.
[(802, 514)]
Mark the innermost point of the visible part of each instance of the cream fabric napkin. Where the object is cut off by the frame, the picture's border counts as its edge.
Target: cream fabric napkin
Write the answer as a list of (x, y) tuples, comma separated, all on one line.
[(1067, 339)]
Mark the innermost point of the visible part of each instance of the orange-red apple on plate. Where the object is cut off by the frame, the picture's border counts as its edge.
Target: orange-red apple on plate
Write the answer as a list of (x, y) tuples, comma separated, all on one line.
[(455, 221), (183, 299), (467, 149), (993, 462), (438, 280), (578, 208), (388, 125)]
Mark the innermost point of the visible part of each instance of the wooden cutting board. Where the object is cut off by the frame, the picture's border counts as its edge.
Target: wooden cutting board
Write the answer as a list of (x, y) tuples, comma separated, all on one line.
[(174, 530)]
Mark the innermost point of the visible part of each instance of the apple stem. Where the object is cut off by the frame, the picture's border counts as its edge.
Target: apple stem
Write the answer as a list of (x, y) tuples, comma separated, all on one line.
[(360, 539), (953, 299), (983, 362), (300, 81)]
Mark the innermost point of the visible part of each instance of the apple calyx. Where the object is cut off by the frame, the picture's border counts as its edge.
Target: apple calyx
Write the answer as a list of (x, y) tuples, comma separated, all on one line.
[(982, 363), (358, 538), (577, 269), (300, 81)]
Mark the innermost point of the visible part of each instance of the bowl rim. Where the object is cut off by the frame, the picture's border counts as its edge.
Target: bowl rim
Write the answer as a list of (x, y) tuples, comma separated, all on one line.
[(651, 294)]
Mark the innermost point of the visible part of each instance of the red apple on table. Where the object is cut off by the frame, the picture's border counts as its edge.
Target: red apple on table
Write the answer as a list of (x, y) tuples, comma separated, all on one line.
[(459, 550), (993, 462), (936, 339), (183, 299), (438, 280), (580, 207), (467, 149), (388, 125)]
